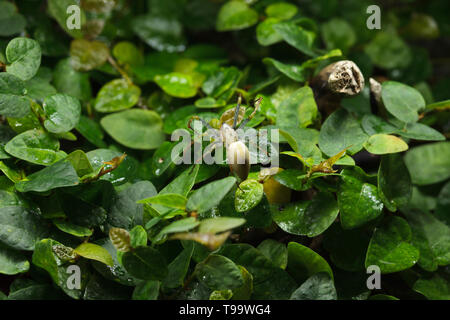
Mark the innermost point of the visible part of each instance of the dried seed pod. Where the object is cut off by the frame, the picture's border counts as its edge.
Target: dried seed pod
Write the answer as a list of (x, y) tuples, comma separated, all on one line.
[(337, 80)]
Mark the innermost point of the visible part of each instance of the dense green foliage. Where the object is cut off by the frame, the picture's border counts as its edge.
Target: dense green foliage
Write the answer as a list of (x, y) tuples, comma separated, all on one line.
[(88, 179)]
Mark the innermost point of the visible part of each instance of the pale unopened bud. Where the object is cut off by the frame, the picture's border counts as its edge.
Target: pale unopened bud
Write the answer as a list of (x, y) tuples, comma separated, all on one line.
[(238, 158)]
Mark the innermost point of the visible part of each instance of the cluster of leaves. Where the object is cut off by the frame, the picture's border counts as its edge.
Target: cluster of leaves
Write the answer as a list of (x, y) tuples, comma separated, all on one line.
[(88, 179)]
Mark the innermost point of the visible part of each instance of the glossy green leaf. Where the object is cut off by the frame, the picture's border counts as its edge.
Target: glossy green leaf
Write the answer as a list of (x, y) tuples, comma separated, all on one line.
[(35, 146), (388, 51), (281, 10), (136, 128), (394, 182), (339, 131), (390, 247), (24, 58), (248, 195), (162, 33), (63, 113), (266, 34), (431, 237), (275, 251), (402, 101), (219, 224), (117, 95), (297, 37), (11, 22), (304, 262), (299, 110), (145, 263), (319, 286), (170, 200), (219, 273), (435, 288), (235, 15), (358, 199), (177, 84), (21, 228), (12, 262), (58, 175), (385, 144), (430, 163), (209, 195), (13, 103), (309, 218), (94, 252)]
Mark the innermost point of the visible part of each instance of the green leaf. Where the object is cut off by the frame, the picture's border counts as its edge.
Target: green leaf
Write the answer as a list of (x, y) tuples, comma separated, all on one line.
[(80, 162), (320, 286), (58, 9), (136, 128), (35, 146), (338, 33), (266, 34), (402, 101), (24, 58), (170, 200), (281, 10), (125, 212), (373, 125), (63, 113), (127, 53), (11, 22), (178, 269), (297, 37), (431, 237), (94, 252), (147, 290), (394, 182), (145, 263), (73, 229), (179, 226), (275, 252), (13, 103), (210, 195), (309, 218), (117, 95), (208, 103), (162, 33), (339, 131), (177, 84), (122, 174), (92, 131), (235, 15), (87, 55), (248, 195), (219, 273), (347, 248), (295, 72), (388, 51), (385, 144), (69, 81), (21, 228), (419, 131), (298, 110), (12, 262), (304, 262), (358, 199), (58, 175), (219, 224), (390, 247), (138, 237), (430, 163), (435, 288)]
